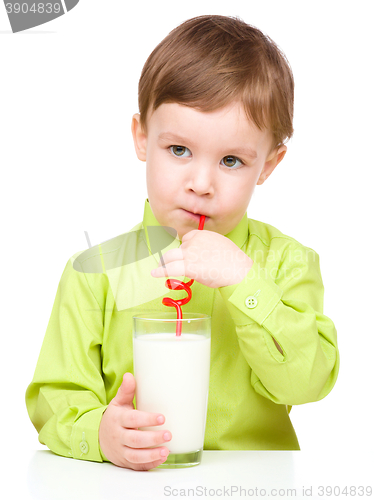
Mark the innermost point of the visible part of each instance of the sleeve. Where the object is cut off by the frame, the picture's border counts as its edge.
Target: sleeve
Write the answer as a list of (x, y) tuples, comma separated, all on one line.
[(66, 398), (284, 301)]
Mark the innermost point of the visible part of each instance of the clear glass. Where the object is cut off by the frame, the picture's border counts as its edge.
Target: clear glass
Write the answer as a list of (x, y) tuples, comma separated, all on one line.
[(172, 378)]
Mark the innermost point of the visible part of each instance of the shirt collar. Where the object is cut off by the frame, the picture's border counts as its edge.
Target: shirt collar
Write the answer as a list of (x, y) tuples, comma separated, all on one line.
[(239, 235)]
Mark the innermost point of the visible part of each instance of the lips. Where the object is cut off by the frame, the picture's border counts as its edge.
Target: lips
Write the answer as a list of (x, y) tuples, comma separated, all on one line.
[(194, 215), (196, 212)]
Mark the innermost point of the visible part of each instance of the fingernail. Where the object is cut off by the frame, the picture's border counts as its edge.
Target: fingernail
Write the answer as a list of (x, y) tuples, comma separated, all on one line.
[(160, 419), (166, 436), (164, 452)]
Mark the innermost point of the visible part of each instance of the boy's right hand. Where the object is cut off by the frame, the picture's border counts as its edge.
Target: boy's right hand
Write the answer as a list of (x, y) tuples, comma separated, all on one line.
[(121, 441)]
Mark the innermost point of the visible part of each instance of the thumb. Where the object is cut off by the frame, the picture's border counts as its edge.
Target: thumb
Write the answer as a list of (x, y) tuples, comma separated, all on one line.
[(126, 391)]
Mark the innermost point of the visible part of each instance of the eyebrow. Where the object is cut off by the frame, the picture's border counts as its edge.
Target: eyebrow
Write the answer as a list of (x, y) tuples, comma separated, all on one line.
[(168, 136)]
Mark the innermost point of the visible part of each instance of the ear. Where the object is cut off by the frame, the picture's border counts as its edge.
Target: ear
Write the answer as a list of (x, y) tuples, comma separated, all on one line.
[(275, 157), (139, 137)]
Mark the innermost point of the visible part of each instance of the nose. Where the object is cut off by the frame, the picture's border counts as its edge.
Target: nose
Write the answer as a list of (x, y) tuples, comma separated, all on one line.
[(200, 179)]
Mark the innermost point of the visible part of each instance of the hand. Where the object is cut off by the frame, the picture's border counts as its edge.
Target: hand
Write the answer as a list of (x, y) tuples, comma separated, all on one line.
[(207, 257), (121, 441)]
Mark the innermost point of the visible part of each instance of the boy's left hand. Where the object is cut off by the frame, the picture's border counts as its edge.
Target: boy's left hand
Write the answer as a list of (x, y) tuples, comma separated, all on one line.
[(207, 257)]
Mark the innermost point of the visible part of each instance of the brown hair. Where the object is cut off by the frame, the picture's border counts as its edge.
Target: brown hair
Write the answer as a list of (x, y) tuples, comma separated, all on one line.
[(210, 61)]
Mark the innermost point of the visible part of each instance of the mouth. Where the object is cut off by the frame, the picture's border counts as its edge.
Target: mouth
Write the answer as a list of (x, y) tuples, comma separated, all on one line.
[(193, 216)]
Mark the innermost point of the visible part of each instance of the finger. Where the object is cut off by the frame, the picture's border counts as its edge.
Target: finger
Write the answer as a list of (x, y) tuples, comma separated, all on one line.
[(176, 268), (145, 439), (126, 391), (133, 419), (139, 456), (147, 466), (170, 256), (189, 235)]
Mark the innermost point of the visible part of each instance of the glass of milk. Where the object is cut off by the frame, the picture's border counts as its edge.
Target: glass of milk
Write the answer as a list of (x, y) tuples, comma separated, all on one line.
[(172, 377)]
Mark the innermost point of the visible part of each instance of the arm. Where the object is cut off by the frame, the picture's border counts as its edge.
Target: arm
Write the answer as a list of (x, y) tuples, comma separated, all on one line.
[(289, 343), (66, 397)]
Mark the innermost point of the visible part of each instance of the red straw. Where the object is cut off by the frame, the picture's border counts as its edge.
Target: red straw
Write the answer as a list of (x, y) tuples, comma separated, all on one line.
[(174, 284)]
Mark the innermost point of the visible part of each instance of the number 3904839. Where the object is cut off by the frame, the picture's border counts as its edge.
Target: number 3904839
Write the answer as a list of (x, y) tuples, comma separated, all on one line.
[(36, 8)]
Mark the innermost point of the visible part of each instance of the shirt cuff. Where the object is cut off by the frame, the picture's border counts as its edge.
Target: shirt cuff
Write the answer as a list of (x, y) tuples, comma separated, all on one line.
[(254, 298), (85, 436)]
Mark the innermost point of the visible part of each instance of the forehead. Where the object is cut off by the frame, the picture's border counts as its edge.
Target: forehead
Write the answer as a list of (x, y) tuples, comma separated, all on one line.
[(229, 126)]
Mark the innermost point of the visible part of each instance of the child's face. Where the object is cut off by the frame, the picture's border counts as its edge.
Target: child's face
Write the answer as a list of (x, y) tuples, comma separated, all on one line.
[(205, 163)]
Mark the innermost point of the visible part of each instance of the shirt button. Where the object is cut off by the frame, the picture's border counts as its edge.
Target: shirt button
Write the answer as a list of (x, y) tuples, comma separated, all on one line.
[(83, 445), (251, 302)]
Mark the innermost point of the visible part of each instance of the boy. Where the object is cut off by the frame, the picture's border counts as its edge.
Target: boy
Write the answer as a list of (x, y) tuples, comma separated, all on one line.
[(216, 106)]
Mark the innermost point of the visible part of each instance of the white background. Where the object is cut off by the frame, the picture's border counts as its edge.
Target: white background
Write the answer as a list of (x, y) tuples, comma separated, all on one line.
[(68, 90)]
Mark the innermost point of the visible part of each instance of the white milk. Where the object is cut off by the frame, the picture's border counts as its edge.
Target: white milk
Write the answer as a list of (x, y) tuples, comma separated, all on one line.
[(172, 378)]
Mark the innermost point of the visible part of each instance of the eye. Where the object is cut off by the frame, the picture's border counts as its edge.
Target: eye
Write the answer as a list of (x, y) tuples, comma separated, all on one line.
[(179, 151), (230, 161)]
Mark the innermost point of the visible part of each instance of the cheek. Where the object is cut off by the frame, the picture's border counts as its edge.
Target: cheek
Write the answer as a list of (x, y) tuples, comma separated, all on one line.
[(159, 163), (241, 192), (152, 179), (154, 168), (161, 180)]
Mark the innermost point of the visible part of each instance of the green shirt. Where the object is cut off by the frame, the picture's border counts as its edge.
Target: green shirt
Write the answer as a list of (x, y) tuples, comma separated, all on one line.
[(88, 343)]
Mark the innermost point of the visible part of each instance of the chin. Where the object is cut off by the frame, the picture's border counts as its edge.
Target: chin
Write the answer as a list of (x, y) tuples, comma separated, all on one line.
[(182, 233)]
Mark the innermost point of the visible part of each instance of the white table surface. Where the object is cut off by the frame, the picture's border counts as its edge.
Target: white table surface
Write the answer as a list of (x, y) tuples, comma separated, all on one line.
[(41, 474)]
